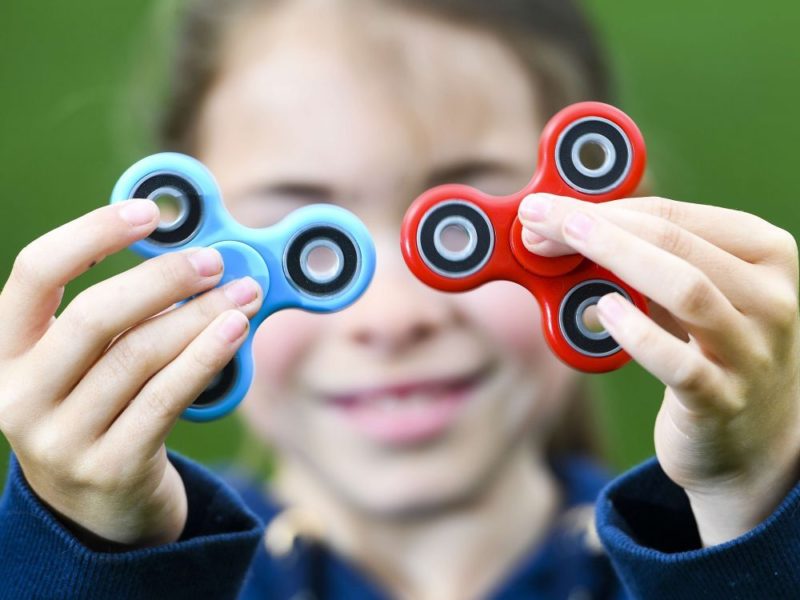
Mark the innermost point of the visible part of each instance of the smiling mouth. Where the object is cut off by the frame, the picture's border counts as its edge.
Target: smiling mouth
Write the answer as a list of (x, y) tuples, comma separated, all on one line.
[(407, 413)]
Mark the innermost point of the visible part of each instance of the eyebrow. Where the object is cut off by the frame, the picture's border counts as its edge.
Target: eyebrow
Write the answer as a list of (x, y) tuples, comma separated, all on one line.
[(458, 171), (462, 170), (298, 189)]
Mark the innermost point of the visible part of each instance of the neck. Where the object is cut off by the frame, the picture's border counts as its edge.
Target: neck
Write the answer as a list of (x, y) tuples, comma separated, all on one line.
[(461, 552)]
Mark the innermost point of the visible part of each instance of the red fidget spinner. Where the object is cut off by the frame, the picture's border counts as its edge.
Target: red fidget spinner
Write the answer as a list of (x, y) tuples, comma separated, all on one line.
[(589, 151)]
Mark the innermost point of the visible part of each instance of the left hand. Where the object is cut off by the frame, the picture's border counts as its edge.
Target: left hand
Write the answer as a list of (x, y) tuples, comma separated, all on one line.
[(723, 336)]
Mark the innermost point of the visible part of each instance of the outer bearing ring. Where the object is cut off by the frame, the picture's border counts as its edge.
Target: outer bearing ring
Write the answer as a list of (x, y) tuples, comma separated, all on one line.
[(582, 178), (298, 273), (455, 264), (570, 318), (186, 226)]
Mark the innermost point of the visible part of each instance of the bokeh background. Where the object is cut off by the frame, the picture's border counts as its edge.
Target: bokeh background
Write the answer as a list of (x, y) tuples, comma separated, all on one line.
[(715, 87)]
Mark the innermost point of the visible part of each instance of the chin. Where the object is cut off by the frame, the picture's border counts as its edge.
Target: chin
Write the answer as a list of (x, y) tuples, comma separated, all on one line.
[(447, 469), (415, 494)]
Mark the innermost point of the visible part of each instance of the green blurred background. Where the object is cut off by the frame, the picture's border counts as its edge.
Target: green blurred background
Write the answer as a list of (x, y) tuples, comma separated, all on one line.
[(714, 87)]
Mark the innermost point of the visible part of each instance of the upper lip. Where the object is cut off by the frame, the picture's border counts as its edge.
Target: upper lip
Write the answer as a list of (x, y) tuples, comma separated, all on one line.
[(405, 388)]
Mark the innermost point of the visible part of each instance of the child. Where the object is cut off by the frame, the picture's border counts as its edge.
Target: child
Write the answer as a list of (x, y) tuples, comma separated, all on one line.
[(414, 430)]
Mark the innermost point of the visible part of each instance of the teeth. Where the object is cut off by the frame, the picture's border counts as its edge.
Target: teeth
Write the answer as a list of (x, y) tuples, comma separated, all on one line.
[(419, 399), (394, 404), (389, 404)]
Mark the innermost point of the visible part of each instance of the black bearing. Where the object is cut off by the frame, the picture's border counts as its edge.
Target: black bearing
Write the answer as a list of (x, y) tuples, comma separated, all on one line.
[(219, 387), (570, 317), (481, 246), (348, 268), (612, 139), (190, 221)]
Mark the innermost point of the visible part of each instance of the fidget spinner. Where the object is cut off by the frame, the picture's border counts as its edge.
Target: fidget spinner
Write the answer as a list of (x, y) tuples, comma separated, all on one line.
[(455, 238), (278, 257)]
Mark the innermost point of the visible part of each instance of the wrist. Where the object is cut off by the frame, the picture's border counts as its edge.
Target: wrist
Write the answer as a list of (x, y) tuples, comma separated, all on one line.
[(728, 511)]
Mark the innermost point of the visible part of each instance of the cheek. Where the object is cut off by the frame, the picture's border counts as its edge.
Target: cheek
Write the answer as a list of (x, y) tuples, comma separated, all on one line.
[(506, 313), (278, 346), (280, 343)]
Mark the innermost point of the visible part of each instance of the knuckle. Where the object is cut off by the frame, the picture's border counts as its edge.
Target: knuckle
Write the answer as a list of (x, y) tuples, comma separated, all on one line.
[(46, 449), (88, 474), (667, 209), (694, 293), (674, 240), (783, 307), (175, 270), (210, 358), (160, 403), (784, 245), (209, 306), (97, 476), (84, 317), (96, 472), (691, 375), (27, 268), (11, 401), (130, 355), (760, 357), (639, 337)]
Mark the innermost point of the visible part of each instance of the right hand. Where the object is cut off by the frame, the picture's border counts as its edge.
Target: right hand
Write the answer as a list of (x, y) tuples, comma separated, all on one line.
[(87, 399)]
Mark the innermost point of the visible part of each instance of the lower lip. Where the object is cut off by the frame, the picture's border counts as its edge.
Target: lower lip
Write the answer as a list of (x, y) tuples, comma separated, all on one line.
[(407, 422)]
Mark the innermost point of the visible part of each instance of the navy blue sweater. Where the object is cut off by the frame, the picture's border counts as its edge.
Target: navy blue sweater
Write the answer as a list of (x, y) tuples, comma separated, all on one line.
[(650, 549)]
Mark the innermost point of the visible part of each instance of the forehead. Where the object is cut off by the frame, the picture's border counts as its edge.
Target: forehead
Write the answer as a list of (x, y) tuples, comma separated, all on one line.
[(342, 84)]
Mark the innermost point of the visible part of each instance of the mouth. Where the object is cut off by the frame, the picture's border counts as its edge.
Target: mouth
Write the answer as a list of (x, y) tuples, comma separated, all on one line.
[(407, 413)]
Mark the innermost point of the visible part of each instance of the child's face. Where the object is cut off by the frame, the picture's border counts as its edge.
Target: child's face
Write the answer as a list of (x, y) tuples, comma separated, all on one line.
[(410, 398)]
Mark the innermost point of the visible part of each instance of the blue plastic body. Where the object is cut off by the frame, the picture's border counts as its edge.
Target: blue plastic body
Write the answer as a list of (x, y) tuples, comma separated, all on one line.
[(259, 253)]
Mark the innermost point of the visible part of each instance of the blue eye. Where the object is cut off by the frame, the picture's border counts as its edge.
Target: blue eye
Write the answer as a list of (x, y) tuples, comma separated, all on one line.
[(269, 204)]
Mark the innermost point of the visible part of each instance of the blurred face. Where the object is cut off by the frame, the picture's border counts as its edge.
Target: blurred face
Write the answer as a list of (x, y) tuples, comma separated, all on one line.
[(410, 399)]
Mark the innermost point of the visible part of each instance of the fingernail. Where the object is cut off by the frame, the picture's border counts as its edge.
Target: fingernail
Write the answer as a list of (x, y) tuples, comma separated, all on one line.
[(530, 238), (206, 262), (233, 327), (579, 225), (243, 291), (138, 212), (611, 309), (535, 207)]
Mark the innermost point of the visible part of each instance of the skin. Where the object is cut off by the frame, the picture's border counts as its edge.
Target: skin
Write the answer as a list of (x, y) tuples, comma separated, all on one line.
[(89, 434), (400, 330), (456, 106), (394, 510), (727, 431)]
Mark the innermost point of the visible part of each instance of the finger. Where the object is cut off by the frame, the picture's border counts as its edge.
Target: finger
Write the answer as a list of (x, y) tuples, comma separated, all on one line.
[(681, 288), (534, 212), (538, 244), (85, 328), (742, 234), (666, 321), (140, 353), (695, 380), (35, 286), (145, 424), (725, 270)]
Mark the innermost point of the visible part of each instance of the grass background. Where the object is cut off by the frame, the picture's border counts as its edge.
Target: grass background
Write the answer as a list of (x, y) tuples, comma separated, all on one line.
[(714, 87)]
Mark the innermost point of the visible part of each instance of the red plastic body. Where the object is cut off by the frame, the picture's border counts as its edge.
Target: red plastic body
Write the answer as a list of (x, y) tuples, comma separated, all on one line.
[(548, 279)]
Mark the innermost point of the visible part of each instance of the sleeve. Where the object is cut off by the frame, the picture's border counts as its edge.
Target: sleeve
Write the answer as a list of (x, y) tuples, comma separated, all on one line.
[(646, 524), (40, 558)]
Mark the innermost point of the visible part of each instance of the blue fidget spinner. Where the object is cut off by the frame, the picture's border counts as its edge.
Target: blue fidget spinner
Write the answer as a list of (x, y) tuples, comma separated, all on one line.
[(277, 257)]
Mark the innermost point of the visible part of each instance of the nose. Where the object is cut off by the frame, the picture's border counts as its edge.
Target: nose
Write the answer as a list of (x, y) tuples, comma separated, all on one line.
[(398, 312)]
